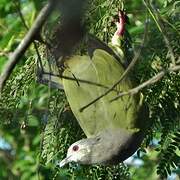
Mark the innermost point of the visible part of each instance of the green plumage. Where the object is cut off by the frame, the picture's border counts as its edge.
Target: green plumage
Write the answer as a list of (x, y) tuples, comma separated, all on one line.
[(115, 129), (102, 115)]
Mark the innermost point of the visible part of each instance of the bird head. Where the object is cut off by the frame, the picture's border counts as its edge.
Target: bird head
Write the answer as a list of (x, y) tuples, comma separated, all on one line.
[(78, 152), (109, 147)]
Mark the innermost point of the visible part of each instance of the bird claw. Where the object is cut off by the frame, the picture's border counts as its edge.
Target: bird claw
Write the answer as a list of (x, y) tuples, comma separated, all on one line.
[(121, 23)]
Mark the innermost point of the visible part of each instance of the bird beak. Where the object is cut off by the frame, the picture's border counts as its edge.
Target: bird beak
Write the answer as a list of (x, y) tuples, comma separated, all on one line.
[(64, 161)]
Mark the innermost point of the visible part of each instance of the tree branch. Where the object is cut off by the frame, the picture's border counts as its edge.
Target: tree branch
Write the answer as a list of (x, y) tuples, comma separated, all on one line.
[(18, 4), (28, 39), (77, 79), (151, 81)]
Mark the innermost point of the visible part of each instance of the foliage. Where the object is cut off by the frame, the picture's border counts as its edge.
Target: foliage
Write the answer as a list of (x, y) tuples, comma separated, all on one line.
[(36, 121)]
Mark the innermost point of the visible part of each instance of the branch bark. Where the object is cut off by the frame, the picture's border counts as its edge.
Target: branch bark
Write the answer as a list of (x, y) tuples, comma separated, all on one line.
[(25, 43), (151, 81)]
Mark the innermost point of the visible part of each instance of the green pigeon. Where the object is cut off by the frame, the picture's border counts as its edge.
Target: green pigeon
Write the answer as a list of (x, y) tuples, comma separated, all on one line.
[(114, 129)]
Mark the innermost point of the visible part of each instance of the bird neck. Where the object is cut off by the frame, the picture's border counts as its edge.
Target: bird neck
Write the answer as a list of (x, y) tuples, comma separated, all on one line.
[(113, 146)]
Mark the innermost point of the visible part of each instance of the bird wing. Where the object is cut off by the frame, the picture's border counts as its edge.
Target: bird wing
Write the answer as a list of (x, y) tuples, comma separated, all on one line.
[(94, 43), (103, 69)]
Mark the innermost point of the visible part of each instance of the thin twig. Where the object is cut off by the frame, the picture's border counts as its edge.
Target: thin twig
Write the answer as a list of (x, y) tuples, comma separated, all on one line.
[(28, 39), (79, 80), (27, 28), (159, 22), (166, 40), (129, 68), (151, 81), (18, 5)]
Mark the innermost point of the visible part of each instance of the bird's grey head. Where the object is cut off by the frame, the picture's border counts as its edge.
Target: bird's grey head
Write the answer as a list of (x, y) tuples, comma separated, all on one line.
[(79, 152), (109, 147)]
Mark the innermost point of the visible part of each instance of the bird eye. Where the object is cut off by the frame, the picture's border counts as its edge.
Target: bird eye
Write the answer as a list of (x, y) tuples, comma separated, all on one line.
[(75, 148)]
